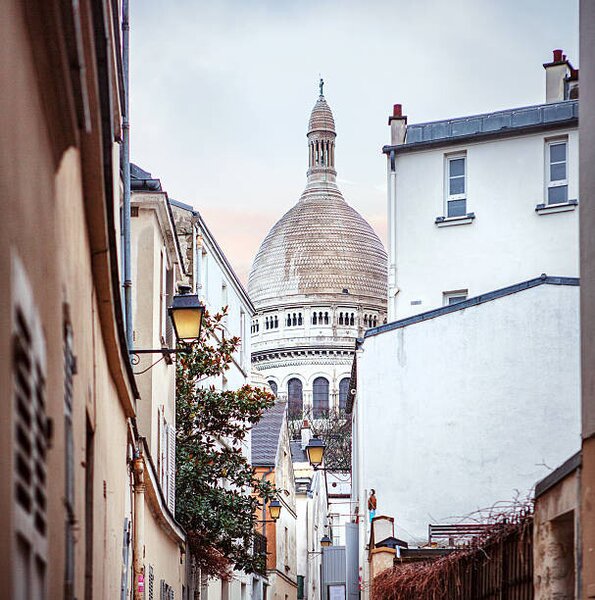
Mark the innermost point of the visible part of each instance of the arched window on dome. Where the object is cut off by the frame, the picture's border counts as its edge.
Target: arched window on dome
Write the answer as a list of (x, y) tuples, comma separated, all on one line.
[(273, 386), (266, 323), (288, 321), (366, 321), (295, 397), (340, 318), (326, 318), (320, 318), (276, 322), (300, 322), (352, 319), (314, 319), (320, 405), (343, 393), (375, 321), (294, 320)]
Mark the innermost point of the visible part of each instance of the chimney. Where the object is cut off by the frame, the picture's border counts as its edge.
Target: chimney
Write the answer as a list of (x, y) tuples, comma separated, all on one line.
[(398, 126), (306, 434), (557, 74)]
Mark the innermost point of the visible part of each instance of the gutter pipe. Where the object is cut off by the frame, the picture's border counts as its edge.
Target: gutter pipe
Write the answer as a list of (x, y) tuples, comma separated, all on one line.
[(125, 166)]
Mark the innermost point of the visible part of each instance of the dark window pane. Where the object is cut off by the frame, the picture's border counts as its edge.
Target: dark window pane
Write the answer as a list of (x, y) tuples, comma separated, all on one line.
[(557, 195), (457, 208), (558, 152), (343, 392), (295, 397), (320, 397), (457, 167), (457, 185), (455, 299), (558, 171), (273, 386)]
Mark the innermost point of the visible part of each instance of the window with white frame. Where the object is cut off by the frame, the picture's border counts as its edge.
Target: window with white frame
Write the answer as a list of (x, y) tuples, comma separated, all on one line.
[(454, 297), (456, 185), (557, 171)]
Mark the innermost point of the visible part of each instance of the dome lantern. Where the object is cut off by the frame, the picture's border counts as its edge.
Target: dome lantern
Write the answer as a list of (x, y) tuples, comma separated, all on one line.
[(321, 141)]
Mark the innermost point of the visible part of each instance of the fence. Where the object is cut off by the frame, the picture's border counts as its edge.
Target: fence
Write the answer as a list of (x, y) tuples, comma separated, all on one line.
[(498, 566)]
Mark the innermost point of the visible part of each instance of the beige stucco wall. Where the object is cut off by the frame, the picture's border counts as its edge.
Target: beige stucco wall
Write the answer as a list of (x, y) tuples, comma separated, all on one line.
[(554, 540), (45, 228)]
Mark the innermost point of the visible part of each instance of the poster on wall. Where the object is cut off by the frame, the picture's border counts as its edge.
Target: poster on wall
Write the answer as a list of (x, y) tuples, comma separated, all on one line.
[(336, 592)]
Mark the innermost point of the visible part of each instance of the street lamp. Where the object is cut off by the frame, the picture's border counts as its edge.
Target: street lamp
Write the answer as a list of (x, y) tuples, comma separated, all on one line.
[(315, 452), (186, 314), (274, 509), (326, 541)]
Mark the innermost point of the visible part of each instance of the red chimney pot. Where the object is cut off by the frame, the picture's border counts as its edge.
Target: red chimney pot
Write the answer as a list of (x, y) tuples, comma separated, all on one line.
[(558, 56), (397, 110)]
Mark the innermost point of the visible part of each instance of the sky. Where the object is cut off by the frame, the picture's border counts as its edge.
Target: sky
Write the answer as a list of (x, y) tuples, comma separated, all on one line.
[(221, 92)]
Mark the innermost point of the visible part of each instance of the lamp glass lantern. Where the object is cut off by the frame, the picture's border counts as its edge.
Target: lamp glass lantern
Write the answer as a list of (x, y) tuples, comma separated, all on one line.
[(315, 451), (274, 509), (326, 541), (186, 313)]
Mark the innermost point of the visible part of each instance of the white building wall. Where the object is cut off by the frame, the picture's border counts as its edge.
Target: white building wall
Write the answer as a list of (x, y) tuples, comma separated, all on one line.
[(507, 242), (452, 424)]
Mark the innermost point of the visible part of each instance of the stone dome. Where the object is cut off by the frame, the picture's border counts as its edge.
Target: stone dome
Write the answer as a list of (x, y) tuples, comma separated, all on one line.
[(321, 247)]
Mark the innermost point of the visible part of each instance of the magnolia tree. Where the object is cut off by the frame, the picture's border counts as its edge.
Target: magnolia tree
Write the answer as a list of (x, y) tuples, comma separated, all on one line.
[(217, 493)]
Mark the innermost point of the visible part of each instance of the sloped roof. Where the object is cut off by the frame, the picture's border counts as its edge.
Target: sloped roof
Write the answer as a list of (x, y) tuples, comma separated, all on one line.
[(298, 454), (266, 434)]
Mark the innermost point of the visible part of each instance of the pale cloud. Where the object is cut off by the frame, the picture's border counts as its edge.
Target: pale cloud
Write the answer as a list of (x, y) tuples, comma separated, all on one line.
[(221, 91)]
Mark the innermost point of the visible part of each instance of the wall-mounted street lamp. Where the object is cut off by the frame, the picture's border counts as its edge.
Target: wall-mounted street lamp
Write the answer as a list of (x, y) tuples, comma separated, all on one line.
[(274, 510), (274, 513), (325, 542), (315, 451), (186, 313)]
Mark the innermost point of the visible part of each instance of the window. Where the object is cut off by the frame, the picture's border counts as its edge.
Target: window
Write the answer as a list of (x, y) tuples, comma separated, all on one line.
[(273, 386), (454, 297), (557, 172), (295, 397), (343, 393), (314, 319), (320, 397), (456, 186)]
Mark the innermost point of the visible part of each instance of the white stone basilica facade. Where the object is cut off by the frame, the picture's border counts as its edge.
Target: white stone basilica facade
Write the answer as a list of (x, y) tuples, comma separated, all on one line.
[(318, 281)]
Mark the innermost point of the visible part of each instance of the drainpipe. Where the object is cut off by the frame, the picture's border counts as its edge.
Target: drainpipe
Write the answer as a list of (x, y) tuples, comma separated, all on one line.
[(125, 166), (138, 541)]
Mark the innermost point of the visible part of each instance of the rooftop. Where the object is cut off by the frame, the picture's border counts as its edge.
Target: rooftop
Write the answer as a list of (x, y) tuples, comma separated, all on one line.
[(266, 434), (512, 121), (475, 301)]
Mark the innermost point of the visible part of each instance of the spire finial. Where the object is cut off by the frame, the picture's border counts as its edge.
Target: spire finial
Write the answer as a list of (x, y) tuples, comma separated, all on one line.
[(321, 86)]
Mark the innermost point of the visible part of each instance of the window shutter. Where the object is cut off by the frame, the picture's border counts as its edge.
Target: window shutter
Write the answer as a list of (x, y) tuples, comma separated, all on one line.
[(171, 463), (69, 370), (150, 586), (31, 431)]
